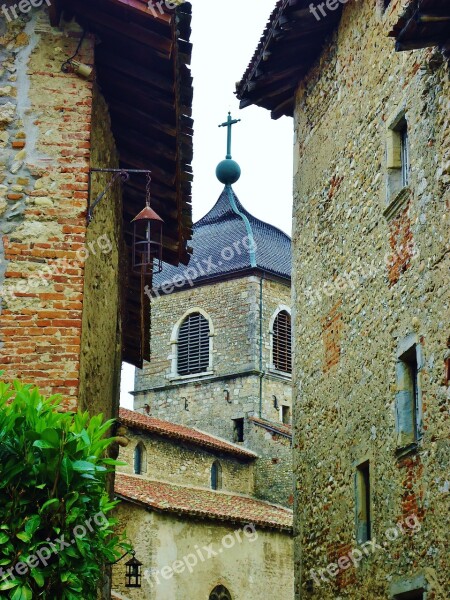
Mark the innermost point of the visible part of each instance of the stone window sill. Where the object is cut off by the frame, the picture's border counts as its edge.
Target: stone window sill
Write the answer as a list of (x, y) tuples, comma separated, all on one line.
[(396, 203), (281, 374), (190, 377), (407, 450)]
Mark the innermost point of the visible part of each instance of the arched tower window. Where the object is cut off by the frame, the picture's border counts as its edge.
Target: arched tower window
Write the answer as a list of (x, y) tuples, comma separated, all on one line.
[(282, 342), (220, 593), (193, 345), (140, 459), (216, 475)]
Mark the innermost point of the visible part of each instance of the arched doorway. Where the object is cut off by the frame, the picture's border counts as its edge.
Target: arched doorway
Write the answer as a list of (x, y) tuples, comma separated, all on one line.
[(220, 593)]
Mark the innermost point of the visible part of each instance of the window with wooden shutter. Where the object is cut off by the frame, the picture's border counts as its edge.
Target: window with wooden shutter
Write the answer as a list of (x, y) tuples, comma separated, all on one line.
[(193, 345), (282, 342), (408, 399), (140, 459), (363, 503), (216, 475)]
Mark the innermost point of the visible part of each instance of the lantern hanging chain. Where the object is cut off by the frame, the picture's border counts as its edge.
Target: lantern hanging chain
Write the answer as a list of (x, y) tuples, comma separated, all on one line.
[(148, 193)]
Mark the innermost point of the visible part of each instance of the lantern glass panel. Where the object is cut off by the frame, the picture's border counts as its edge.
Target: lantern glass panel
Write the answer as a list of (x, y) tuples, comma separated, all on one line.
[(147, 246)]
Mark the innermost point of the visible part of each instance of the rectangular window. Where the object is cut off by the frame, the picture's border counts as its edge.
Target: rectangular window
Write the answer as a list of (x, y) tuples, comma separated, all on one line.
[(286, 415), (238, 430), (407, 402), (404, 143), (397, 157), (416, 595), (363, 512)]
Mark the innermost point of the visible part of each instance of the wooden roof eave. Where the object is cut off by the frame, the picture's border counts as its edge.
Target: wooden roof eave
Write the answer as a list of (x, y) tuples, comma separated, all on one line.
[(142, 68), (291, 43), (423, 24)]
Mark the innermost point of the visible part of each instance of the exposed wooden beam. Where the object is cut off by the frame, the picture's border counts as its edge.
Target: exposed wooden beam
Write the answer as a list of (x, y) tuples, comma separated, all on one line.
[(417, 44), (55, 10)]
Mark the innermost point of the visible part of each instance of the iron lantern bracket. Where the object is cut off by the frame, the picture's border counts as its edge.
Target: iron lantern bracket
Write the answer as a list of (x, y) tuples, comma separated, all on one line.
[(118, 174)]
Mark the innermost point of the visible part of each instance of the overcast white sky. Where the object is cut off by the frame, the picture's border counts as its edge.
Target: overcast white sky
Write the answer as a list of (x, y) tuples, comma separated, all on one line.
[(225, 36)]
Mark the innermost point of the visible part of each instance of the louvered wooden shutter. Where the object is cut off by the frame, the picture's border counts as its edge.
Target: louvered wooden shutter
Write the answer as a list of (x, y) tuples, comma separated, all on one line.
[(193, 345), (282, 342)]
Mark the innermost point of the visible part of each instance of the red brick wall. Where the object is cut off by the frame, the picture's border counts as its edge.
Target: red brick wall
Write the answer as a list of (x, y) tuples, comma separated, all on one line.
[(401, 243), (40, 324)]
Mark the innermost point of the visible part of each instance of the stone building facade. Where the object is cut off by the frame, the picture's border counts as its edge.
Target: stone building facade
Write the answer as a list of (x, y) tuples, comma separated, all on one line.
[(371, 295), (240, 303), (187, 506)]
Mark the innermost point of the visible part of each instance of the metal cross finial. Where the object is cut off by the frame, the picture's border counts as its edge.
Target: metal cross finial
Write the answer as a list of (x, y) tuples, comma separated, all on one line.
[(229, 124)]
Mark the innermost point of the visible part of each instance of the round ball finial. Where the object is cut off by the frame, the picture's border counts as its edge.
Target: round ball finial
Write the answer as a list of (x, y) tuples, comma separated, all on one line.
[(228, 171)]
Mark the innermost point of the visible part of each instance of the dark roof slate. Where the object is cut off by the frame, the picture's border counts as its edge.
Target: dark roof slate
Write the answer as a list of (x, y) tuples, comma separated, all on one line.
[(222, 246)]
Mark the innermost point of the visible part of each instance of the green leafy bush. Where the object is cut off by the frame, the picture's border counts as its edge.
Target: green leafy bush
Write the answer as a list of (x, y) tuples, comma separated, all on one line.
[(55, 532)]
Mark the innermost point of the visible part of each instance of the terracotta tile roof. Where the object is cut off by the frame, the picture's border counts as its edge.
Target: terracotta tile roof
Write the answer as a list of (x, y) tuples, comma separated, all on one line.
[(180, 432), (204, 503), (280, 428)]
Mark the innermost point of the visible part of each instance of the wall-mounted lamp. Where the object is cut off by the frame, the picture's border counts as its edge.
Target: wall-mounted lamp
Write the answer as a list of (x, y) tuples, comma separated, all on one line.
[(227, 396), (186, 404), (275, 403), (147, 226), (133, 574), (133, 570), (75, 66), (147, 238)]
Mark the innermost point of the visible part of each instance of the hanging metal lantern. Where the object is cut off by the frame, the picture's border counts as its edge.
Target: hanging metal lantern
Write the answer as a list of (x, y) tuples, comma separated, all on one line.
[(133, 575), (147, 240)]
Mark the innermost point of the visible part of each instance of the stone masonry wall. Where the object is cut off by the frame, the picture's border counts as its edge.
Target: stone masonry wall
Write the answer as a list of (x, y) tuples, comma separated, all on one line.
[(45, 140), (273, 472), (247, 567), (233, 307), (186, 464), (366, 275), (212, 402), (101, 340)]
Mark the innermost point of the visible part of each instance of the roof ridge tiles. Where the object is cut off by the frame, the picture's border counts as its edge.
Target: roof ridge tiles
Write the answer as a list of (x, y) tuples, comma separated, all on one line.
[(183, 432), (203, 503)]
